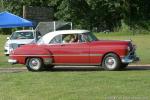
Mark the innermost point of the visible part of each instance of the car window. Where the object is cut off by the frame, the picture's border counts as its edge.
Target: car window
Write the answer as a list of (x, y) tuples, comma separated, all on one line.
[(81, 38), (70, 38), (88, 37), (56, 39), (22, 35)]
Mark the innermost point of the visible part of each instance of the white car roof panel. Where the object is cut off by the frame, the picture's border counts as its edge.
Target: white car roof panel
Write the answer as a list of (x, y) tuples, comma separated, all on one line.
[(49, 36)]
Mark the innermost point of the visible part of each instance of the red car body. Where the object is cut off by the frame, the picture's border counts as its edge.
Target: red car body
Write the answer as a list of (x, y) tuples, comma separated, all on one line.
[(77, 53)]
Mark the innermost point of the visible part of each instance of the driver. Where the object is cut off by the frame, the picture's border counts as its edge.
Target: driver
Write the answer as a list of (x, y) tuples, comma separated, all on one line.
[(73, 38)]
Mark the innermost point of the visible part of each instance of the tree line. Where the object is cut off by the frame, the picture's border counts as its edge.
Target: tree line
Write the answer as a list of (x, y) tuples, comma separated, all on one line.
[(96, 15)]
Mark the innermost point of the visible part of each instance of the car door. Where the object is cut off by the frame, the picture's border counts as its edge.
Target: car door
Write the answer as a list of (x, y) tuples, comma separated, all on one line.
[(69, 53)]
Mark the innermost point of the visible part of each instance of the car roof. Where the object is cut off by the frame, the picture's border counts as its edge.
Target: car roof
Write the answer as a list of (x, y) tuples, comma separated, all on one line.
[(69, 31), (47, 37)]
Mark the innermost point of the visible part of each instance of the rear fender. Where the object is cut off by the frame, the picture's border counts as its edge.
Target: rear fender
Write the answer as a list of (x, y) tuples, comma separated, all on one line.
[(23, 54)]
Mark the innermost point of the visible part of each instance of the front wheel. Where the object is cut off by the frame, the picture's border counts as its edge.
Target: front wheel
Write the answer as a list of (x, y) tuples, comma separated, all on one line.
[(111, 62), (34, 64)]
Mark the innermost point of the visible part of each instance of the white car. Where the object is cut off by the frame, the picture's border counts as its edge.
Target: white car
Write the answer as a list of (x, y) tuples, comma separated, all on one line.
[(19, 38)]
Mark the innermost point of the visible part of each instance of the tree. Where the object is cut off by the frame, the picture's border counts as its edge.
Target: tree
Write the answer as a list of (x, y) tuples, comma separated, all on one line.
[(91, 14)]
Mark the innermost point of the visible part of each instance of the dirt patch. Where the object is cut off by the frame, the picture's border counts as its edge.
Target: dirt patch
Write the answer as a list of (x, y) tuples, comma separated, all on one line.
[(12, 70)]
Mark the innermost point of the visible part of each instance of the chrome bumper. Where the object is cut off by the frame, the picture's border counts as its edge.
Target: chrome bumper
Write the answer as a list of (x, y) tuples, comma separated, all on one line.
[(12, 61), (129, 59)]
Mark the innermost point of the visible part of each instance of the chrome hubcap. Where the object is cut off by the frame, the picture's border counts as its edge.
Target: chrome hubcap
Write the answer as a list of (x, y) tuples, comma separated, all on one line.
[(110, 62), (34, 63)]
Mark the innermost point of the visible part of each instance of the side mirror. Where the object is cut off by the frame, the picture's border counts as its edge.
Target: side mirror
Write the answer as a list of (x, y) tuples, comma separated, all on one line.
[(8, 38)]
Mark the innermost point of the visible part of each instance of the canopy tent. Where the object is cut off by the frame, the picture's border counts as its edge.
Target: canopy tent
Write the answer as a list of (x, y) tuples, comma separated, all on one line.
[(8, 20)]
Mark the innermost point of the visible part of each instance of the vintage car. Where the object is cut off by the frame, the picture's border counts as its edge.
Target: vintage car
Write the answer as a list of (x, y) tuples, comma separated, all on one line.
[(74, 47), (19, 38)]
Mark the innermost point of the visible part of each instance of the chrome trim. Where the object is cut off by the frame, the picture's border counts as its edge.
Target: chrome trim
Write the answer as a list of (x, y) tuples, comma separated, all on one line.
[(77, 55), (74, 64), (128, 60), (30, 55), (63, 55), (131, 57)]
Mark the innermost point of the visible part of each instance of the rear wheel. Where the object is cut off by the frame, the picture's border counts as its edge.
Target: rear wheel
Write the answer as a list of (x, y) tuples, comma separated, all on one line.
[(111, 62), (34, 64)]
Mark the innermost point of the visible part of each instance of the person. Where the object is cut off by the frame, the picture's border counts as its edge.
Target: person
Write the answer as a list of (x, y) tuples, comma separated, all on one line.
[(71, 38)]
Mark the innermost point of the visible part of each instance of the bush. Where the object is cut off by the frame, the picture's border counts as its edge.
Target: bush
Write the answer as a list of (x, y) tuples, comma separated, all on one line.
[(5, 31)]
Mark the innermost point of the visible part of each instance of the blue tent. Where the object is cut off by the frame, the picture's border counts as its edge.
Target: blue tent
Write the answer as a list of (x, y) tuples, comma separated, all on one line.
[(8, 20)]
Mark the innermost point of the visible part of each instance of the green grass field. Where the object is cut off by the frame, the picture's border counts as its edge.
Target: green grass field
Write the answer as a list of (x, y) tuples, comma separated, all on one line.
[(79, 85)]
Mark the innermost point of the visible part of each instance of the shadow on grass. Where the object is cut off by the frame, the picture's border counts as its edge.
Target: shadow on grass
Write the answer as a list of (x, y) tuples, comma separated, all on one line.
[(73, 69), (78, 69), (137, 68)]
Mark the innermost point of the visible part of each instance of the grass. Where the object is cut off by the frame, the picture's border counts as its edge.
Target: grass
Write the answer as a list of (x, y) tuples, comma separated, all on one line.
[(87, 85), (142, 42), (3, 58)]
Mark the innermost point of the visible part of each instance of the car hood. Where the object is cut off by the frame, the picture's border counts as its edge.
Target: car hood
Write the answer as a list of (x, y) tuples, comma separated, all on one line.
[(21, 41)]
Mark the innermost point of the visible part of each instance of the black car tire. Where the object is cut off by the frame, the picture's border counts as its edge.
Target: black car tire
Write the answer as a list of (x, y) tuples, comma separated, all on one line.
[(34, 64), (111, 62)]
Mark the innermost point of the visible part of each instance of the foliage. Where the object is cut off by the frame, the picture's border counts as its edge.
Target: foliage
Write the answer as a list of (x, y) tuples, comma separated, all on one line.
[(98, 15)]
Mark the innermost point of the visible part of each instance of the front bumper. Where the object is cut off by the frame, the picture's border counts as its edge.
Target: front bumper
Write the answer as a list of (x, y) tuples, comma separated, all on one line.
[(130, 60), (131, 57), (12, 61)]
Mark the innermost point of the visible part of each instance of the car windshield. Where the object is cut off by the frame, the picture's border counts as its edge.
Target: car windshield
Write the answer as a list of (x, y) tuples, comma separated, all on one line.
[(22, 35), (89, 37)]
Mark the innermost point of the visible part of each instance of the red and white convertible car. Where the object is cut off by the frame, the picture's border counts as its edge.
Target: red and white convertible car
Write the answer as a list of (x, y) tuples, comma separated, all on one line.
[(74, 47)]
